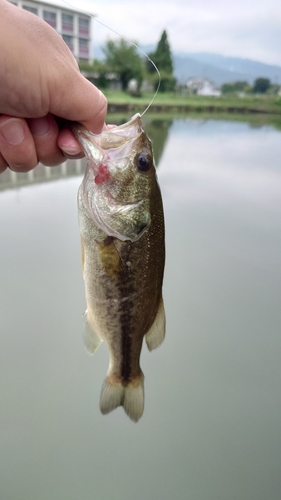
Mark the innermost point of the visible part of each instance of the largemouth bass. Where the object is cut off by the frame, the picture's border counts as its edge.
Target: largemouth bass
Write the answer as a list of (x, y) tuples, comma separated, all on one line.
[(123, 252)]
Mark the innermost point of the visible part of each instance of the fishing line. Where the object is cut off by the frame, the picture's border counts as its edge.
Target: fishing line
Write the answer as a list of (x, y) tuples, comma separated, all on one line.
[(128, 41)]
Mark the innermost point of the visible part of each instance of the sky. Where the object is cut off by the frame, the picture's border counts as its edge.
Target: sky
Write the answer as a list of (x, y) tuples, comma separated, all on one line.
[(241, 28)]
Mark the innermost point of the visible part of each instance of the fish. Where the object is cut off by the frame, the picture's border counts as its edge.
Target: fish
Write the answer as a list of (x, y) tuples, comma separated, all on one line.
[(121, 223)]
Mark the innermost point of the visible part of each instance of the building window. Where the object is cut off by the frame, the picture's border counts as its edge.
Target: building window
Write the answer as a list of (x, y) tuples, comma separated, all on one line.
[(84, 26), (83, 47), (69, 41), (50, 18), (30, 9), (67, 22)]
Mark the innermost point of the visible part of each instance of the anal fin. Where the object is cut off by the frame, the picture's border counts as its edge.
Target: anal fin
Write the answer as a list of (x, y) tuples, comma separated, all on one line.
[(91, 339), (156, 334)]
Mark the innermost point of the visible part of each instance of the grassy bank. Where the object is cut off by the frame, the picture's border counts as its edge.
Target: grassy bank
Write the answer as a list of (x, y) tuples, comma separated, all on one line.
[(170, 102)]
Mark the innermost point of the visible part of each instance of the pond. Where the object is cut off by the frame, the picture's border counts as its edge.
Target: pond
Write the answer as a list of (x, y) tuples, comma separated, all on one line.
[(211, 425)]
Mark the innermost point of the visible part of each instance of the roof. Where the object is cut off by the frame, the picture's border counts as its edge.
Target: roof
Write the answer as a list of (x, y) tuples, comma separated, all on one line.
[(65, 5)]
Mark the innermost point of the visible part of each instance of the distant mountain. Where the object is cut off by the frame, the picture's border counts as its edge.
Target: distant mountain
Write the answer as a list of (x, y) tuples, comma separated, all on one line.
[(186, 67), (219, 69)]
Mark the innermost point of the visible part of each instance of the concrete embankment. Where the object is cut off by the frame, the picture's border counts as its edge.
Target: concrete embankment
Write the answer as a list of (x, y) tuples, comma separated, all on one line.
[(181, 108)]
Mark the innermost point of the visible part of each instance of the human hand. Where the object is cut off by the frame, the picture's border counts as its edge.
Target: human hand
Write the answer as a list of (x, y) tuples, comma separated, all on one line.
[(41, 89)]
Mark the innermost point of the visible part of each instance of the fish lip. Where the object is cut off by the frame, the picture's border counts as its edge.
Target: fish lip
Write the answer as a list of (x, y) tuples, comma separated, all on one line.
[(132, 128), (135, 119), (80, 132)]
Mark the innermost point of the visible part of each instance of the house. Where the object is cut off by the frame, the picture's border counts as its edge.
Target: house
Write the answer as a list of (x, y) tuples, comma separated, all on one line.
[(203, 86), (74, 26)]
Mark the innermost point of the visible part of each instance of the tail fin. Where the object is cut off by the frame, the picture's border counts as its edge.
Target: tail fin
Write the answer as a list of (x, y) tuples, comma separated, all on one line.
[(131, 397)]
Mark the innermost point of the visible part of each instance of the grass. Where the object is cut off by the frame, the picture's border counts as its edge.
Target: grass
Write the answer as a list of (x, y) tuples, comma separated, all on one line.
[(231, 103)]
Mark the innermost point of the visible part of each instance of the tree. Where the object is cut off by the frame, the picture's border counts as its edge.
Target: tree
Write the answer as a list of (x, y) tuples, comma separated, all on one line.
[(261, 85), (163, 60), (158, 131), (239, 86), (123, 59), (162, 56), (96, 72)]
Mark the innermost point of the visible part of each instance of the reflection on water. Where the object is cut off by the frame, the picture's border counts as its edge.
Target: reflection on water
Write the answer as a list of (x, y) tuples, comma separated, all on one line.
[(70, 168), (156, 129), (211, 427)]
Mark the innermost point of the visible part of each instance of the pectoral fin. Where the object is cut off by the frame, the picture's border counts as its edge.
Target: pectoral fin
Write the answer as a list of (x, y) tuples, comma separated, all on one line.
[(91, 339), (156, 333)]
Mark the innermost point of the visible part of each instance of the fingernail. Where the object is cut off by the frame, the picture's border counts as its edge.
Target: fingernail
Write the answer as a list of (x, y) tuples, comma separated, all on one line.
[(12, 131), (71, 151), (39, 126)]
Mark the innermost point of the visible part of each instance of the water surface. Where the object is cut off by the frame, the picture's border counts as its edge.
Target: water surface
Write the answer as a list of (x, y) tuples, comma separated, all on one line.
[(211, 426)]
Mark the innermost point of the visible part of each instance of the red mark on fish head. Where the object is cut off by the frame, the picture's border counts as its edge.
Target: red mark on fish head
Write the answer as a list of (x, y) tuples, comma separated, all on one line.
[(103, 174)]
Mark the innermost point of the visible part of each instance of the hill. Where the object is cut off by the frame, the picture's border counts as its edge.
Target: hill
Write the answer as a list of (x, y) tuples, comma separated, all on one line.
[(219, 69)]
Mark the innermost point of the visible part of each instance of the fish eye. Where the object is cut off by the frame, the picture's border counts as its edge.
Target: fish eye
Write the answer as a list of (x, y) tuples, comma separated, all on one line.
[(143, 163)]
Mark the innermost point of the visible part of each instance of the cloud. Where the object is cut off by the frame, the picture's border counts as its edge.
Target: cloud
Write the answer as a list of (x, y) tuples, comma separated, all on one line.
[(241, 28)]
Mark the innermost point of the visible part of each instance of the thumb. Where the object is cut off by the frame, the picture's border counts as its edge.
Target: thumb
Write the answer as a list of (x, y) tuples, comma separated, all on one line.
[(82, 102)]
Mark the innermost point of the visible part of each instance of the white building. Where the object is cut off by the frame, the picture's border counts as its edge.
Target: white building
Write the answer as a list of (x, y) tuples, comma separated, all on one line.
[(208, 89), (74, 26), (203, 86)]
